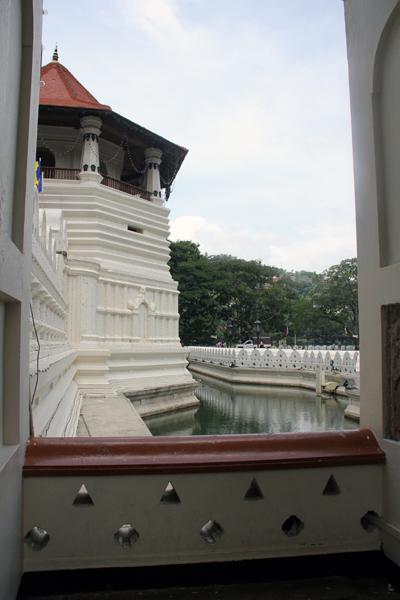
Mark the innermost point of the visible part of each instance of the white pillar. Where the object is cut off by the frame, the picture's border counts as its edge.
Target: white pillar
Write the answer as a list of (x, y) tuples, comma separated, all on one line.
[(152, 182), (319, 380), (90, 159)]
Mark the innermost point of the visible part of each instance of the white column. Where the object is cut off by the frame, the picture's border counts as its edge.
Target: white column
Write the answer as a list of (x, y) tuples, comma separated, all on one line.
[(319, 380), (90, 158), (152, 182)]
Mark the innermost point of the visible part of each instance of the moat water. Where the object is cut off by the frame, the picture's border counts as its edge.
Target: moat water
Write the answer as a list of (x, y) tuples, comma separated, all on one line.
[(227, 409)]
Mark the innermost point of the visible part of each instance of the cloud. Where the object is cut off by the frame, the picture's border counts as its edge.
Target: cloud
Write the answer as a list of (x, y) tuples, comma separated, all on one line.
[(191, 227), (258, 92), (313, 249), (159, 20), (218, 239), (316, 250)]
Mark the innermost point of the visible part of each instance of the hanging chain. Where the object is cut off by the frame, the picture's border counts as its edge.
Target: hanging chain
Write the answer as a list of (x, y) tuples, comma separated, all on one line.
[(114, 156), (42, 143), (168, 183), (128, 151), (123, 143)]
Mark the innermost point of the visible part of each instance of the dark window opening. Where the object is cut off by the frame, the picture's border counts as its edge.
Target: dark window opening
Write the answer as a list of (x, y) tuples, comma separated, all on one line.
[(135, 229), (46, 157)]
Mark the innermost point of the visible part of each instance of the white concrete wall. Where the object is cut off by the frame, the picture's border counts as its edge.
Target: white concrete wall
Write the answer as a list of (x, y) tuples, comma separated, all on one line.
[(373, 40), (64, 142), (57, 400), (20, 50), (170, 533), (122, 316)]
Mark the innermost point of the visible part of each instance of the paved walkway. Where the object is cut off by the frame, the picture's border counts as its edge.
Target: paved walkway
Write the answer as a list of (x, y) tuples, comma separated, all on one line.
[(104, 414)]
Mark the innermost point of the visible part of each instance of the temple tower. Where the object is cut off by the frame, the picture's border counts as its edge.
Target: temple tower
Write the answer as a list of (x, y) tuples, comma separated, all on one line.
[(103, 190)]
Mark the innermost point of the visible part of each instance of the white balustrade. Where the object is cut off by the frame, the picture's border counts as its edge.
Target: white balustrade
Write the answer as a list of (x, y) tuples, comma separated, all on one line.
[(331, 361)]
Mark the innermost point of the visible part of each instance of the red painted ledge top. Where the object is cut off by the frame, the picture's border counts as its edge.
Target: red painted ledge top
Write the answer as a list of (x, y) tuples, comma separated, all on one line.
[(124, 456)]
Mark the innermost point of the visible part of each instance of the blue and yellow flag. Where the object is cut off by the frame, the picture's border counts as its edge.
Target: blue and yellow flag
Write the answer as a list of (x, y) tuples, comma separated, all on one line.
[(38, 175)]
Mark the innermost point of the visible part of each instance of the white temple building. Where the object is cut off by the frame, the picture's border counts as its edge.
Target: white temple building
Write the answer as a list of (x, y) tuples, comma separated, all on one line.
[(103, 296), (104, 304)]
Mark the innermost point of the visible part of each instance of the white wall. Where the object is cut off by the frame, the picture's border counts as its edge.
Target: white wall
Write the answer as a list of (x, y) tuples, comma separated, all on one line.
[(56, 403), (122, 301), (373, 40), (64, 142), (20, 50)]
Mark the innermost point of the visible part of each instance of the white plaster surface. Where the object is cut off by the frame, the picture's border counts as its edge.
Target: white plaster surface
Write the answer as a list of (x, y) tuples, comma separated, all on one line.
[(170, 533), (104, 302), (20, 51), (374, 62)]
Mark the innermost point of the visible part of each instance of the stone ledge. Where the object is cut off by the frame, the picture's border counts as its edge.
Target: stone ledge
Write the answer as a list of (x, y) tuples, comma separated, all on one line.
[(195, 454), (154, 401)]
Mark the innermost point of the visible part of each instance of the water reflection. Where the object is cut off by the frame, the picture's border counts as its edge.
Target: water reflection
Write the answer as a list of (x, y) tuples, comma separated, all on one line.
[(226, 409)]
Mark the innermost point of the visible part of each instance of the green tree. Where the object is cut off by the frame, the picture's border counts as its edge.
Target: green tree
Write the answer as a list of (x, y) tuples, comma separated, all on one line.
[(222, 296), (198, 306), (239, 286), (336, 296)]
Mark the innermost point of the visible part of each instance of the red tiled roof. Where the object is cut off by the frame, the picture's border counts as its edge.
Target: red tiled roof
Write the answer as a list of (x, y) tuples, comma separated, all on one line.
[(60, 88)]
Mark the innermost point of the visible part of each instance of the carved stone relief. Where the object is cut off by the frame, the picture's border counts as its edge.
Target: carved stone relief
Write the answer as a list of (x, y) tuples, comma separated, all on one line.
[(391, 370)]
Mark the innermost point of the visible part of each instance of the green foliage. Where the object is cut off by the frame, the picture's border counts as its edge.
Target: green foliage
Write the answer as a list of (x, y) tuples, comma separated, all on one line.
[(335, 296), (222, 296)]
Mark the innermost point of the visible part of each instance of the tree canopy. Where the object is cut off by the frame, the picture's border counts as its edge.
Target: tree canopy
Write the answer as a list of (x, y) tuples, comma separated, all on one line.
[(221, 297)]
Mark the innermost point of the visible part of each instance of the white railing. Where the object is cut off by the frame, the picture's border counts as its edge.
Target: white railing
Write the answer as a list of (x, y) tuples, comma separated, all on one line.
[(341, 362)]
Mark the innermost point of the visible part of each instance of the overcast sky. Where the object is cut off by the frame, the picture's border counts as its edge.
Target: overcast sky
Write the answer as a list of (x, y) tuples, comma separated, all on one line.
[(258, 92)]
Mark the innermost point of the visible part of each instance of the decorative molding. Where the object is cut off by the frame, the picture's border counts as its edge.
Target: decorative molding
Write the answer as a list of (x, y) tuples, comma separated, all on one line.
[(141, 299)]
